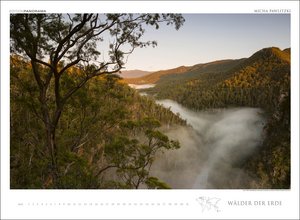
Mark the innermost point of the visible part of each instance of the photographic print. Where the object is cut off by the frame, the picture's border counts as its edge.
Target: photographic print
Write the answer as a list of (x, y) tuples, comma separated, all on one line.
[(146, 110), (88, 114)]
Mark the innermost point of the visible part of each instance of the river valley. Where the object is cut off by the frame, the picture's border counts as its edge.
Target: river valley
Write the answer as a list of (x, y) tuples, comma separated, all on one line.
[(213, 147)]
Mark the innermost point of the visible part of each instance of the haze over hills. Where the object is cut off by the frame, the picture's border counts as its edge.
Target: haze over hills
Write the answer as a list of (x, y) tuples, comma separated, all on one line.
[(155, 76), (133, 73), (185, 72), (193, 72)]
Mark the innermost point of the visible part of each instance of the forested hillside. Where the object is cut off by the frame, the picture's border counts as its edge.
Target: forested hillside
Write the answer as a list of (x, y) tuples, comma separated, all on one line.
[(263, 81), (108, 134), (154, 77), (255, 82)]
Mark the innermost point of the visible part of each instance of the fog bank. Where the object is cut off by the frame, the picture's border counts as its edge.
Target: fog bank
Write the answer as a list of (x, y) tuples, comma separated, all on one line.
[(142, 86), (212, 149)]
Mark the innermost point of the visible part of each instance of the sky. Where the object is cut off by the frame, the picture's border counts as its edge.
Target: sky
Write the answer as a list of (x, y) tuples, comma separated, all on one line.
[(208, 37)]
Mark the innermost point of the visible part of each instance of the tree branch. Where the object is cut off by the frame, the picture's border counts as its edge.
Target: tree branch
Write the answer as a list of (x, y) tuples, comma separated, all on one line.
[(76, 29)]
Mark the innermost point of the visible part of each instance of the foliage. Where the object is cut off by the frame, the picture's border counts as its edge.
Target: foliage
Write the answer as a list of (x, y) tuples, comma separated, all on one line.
[(133, 158), (101, 117), (154, 183), (271, 165), (60, 58)]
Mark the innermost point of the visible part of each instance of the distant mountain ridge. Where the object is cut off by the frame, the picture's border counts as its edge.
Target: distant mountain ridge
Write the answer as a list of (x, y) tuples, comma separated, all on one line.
[(133, 73), (220, 84), (184, 72), (155, 76), (192, 72)]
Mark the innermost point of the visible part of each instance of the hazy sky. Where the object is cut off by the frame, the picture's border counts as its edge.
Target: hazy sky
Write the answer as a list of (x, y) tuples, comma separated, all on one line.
[(209, 37)]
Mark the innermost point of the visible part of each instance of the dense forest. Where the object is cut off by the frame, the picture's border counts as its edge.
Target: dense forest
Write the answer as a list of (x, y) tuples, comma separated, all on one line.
[(105, 126), (256, 82), (262, 80)]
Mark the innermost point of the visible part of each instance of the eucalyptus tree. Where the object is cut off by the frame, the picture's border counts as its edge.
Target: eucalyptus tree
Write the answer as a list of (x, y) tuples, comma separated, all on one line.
[(60, 44)]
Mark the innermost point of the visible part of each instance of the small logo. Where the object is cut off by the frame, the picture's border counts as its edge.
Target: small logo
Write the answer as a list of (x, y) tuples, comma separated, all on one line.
[(208, 203)]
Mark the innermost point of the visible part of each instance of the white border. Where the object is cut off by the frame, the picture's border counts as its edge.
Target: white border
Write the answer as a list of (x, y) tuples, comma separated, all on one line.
[(174, 204)]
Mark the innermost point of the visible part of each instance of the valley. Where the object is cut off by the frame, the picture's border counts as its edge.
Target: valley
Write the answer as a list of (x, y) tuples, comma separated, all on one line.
[(149, 101), (258, 89), (220, 125)]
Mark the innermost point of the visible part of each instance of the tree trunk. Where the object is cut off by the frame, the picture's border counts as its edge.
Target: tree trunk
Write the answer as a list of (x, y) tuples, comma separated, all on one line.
[(52, 148)]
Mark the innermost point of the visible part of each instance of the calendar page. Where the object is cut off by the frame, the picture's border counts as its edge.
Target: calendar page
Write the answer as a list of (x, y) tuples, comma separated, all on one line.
[(149, 110)]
